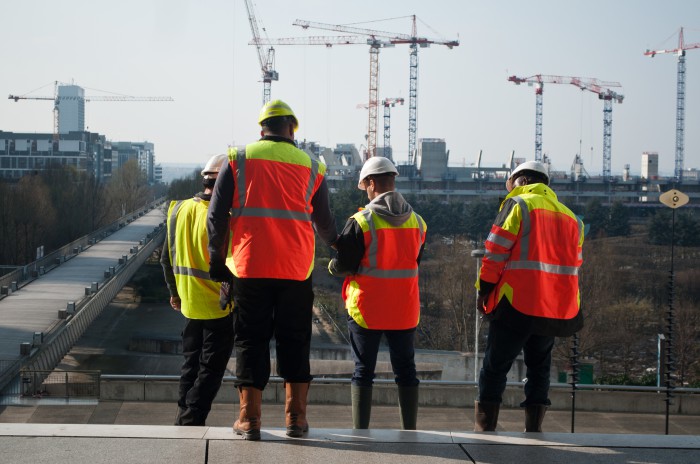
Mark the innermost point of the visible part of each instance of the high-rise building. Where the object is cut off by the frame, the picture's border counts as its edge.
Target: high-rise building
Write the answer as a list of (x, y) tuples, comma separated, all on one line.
[(650, 165), (71, 109)]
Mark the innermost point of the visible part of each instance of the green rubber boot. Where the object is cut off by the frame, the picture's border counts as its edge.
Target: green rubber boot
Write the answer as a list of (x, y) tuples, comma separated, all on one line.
[(408, 407), (361, 406)]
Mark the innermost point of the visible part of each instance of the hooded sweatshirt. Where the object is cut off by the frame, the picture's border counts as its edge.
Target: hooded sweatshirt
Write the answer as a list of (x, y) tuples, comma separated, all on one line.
[(390, 206)]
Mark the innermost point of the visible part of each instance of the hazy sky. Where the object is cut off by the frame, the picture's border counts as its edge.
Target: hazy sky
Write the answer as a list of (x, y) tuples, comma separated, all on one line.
[(198, 53)]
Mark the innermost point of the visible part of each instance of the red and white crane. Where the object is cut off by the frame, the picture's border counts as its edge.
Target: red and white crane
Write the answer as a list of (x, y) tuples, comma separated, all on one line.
[(380, 39), (680, 99), (387, 103), (601, 88)]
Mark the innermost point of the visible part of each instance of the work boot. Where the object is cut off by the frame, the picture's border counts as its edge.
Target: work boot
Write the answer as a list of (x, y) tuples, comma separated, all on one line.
[(361, 406), (248, 423), (485, 416), (408, 407), (534, 415), (295, 408)]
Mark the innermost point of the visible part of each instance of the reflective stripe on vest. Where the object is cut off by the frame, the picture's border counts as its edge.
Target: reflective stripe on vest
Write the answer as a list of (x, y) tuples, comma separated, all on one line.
[(372, 270), (199, 295), (524, 262), (172, 231), (386, 299), (271, 230), (243, 211)]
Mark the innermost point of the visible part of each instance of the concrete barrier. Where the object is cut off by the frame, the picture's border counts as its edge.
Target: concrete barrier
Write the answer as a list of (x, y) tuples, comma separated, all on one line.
[(433, 395)]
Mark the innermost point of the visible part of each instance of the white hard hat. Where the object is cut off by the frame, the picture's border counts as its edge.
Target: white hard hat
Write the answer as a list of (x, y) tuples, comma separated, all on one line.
[(376, 165), (213, 166), (534, 166)]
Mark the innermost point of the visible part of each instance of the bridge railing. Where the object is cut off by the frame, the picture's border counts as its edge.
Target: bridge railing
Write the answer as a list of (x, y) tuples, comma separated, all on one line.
[(25, 273)]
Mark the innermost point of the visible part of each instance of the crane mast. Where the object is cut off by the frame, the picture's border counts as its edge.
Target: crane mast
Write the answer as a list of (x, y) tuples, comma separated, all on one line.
[(388, 39), (601, 88), (680, 100), (266, 59)]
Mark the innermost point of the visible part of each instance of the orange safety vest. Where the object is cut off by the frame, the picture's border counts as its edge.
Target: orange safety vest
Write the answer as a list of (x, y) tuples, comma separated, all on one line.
[(534, 256), (271, 231), (383, 294)]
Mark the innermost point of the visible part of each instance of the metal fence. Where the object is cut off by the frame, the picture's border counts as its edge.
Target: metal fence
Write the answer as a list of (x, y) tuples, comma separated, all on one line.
[(59, 384)]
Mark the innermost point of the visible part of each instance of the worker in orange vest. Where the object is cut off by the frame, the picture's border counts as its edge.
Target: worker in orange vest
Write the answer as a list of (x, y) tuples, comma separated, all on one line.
[(207, 338), (277, 195), (528, 289), (379, 251)]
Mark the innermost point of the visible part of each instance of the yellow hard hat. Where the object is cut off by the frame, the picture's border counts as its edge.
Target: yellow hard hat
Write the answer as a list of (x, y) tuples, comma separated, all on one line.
[(277, 108)]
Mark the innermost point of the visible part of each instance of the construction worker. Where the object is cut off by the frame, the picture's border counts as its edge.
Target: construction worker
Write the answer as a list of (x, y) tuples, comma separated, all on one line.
[(277, 195), (528, 289), (379, 251), (207, 339)]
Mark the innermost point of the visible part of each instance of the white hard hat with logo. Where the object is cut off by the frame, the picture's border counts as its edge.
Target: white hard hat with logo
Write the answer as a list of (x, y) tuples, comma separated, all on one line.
[(374, 166), (213, 166)]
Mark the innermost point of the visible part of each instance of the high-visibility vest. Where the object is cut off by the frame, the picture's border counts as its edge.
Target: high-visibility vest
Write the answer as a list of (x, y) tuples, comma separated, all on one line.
[(271, 231), (383, 294), (189, 258), (535, 255)]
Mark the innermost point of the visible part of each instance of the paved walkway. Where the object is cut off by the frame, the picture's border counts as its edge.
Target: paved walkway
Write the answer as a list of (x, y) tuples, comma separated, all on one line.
[(79, 444)]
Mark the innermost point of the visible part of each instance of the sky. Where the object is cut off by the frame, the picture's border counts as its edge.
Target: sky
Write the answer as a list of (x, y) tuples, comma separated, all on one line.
[(197, 52)]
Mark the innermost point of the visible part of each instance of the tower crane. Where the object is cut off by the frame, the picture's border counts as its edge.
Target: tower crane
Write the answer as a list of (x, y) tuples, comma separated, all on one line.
[(583, 83), (387, 39), (608, 96), (57, 99), (388, 103), (680, 99), (266, 60)]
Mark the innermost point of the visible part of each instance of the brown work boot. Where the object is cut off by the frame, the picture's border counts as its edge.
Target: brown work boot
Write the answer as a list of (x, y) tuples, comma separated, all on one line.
[(485, 416), (534, 415), (248, 423), (295, 408)]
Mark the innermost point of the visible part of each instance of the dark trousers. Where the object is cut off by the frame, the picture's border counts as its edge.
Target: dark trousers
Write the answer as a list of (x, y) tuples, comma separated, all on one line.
[(207, 346), (503, 345), (364, 345), (267, 307)]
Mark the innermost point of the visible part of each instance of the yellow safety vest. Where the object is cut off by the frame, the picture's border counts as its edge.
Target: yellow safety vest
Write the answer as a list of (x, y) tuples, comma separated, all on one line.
[(189, 258)]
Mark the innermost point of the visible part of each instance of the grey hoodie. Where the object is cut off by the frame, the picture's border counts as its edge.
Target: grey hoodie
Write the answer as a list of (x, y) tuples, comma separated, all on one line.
[(391, 207)]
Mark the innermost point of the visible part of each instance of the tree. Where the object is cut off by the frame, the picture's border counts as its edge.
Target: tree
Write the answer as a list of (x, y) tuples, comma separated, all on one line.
[(661, 228), (618, 222), (128, 188), (596, 216)]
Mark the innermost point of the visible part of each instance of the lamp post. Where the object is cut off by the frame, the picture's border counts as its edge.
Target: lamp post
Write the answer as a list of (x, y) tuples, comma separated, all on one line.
[(478, 254), (674, 199)]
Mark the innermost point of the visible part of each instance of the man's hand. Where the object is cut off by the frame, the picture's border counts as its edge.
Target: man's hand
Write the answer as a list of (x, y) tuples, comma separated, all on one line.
[(175, 303), (218, 272), (481, 303)]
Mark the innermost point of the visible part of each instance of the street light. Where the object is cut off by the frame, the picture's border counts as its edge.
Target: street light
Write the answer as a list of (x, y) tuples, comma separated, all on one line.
[(478, 254)]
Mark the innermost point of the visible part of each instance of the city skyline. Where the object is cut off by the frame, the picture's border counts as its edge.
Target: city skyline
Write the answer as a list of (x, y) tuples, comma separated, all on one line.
[(198, 53)]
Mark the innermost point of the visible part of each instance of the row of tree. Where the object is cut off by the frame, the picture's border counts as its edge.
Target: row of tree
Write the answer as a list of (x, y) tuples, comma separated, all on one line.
[(51, 208)]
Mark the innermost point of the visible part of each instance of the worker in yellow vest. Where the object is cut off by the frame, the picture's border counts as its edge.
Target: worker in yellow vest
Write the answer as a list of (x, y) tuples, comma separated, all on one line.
[(277, 195), (207, 339), (379, 251)]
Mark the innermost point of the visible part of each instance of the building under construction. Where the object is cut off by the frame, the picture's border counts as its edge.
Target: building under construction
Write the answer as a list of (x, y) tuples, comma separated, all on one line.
[(432, 177)]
